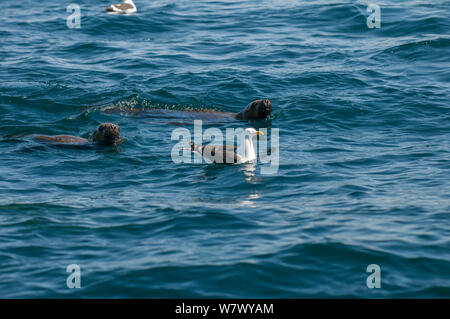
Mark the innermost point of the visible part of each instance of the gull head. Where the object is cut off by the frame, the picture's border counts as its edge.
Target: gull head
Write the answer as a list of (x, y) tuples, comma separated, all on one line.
[(251, 132)]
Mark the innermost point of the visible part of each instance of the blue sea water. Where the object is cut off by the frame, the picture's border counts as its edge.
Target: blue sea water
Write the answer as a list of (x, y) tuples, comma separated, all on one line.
[(364, 122)]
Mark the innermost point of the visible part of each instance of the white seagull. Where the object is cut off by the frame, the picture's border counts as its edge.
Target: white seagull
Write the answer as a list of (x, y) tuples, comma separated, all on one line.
[(126, 7), (220, 154)]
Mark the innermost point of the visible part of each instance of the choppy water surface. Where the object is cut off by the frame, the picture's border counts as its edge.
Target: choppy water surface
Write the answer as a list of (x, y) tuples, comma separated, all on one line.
[(364, 150)]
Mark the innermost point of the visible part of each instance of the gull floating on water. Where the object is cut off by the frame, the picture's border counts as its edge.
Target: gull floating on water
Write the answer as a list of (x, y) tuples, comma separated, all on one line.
[(126, 7), (220, 154)]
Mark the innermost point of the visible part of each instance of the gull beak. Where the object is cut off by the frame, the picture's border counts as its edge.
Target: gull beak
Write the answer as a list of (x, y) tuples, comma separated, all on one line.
[(259, 133)]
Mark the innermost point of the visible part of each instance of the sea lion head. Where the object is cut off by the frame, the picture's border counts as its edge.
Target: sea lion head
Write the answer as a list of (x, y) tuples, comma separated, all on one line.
[(256, 111), (107, 134)]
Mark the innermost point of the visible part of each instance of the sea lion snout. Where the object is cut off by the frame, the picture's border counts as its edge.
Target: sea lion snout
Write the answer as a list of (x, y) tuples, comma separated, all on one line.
[(107, 134), (265, 109)]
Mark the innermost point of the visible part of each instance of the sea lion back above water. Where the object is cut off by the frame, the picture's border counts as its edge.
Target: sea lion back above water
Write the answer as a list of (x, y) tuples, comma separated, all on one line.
[(255, 111), (106, 134)]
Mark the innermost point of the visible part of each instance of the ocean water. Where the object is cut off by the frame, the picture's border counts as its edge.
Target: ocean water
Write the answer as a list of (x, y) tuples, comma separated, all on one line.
[(364, 129)]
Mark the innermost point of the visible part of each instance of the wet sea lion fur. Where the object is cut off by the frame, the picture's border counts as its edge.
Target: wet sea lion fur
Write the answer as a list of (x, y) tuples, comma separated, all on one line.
[(255, 111), (106, 134)]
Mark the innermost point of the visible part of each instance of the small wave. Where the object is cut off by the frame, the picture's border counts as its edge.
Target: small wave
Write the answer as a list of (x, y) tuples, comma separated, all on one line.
[(134, 103)]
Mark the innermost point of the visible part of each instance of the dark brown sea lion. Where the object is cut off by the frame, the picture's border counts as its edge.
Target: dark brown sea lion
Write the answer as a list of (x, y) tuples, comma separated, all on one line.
[(106, 134), (255, 111)]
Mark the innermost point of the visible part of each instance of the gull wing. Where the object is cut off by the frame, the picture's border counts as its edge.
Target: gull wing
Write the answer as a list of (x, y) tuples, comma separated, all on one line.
[(121, 7), (216, 153)]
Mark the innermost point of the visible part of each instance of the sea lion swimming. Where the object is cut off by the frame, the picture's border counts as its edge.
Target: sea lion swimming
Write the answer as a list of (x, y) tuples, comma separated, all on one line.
[(257, 110), (106, 134)]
